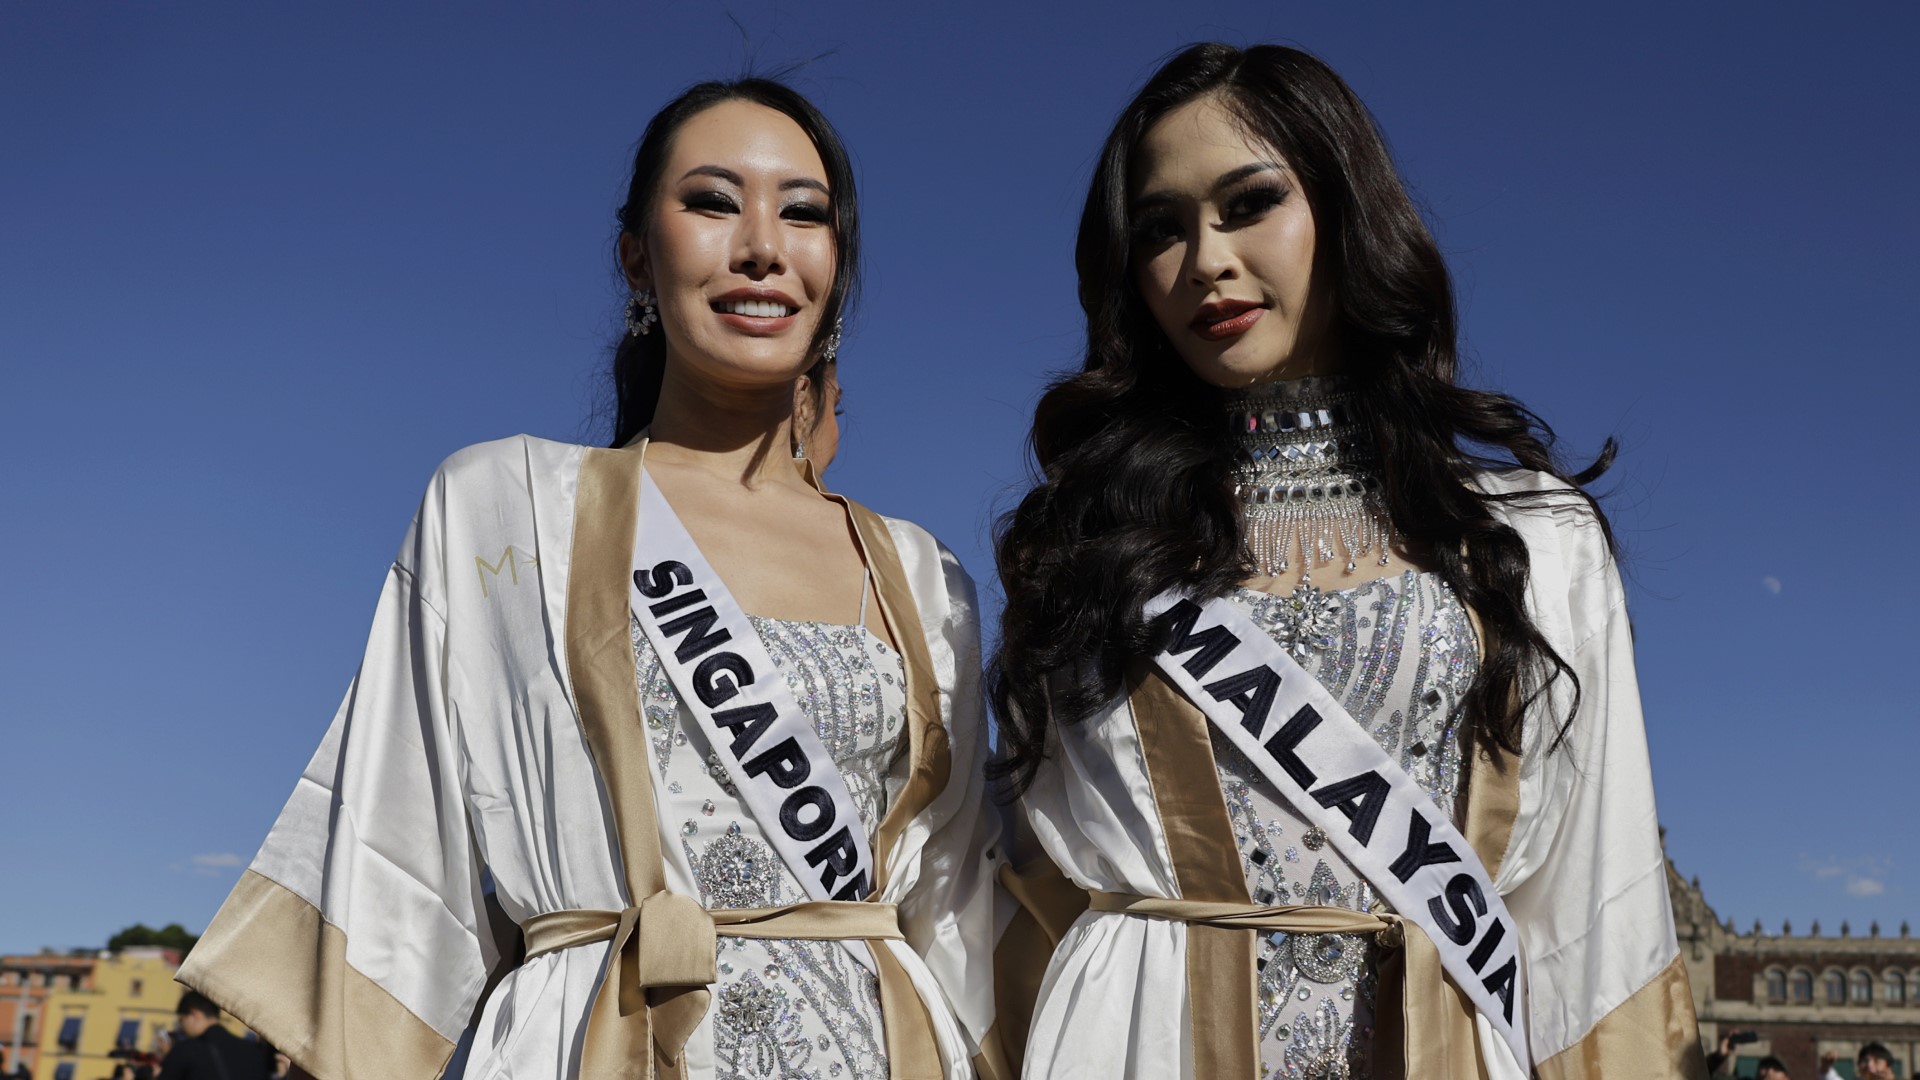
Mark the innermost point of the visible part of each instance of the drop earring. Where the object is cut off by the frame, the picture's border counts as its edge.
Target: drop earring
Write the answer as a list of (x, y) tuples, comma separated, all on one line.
[(641, 312), (831, 346)]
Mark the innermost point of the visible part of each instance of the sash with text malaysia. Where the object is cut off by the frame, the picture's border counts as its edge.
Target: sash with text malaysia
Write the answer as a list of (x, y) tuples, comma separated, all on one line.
[(1335, 776), (742, 704)]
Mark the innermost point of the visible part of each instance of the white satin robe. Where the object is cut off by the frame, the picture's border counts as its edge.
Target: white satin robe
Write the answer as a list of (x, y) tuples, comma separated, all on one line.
[(1583, 873), (456, 772)]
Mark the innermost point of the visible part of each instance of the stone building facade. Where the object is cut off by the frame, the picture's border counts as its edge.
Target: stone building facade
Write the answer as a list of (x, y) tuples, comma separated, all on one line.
[(1804, 994)]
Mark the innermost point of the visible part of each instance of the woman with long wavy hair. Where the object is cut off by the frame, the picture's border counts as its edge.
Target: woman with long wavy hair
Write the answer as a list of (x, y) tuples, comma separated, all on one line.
[(1315, 671), (662, 761)]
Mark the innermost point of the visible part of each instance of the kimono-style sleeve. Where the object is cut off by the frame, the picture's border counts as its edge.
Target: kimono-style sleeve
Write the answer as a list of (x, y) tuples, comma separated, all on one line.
[(1607, 989), (357, 941)]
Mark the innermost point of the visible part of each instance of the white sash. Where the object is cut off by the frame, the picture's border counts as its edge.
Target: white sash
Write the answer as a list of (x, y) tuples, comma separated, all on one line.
[(741, 701), (1333, 774)]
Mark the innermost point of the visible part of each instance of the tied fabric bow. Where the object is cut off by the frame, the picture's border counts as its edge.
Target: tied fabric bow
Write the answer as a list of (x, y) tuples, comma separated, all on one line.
[(663, 955), (654, 991)]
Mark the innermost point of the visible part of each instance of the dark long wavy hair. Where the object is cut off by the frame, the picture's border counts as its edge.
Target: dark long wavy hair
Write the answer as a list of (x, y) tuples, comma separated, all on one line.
[(640, 361), (1134, 495)]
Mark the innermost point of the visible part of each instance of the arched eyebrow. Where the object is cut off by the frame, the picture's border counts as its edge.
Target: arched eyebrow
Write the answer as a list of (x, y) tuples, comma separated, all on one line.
[(1225, 180), (718, 172), (721, 172)]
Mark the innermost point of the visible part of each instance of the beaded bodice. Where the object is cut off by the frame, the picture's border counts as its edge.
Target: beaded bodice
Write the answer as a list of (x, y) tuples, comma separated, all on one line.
[(1398, 654), (783, 1008)]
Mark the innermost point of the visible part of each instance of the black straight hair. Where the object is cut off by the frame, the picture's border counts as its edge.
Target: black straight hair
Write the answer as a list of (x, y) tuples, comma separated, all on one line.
[(640, 360), (1134, 496)]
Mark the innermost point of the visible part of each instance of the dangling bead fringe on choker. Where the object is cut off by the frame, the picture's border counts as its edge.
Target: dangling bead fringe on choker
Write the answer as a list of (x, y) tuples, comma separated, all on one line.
[(1308, 478)]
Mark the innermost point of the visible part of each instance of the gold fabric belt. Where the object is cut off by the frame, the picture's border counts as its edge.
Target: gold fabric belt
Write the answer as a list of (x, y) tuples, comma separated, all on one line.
[(1232, 916), (1434, 1027), (654, 991)]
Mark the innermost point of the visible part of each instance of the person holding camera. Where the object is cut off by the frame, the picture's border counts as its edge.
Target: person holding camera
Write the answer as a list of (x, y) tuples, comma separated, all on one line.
[(1720, 1062)]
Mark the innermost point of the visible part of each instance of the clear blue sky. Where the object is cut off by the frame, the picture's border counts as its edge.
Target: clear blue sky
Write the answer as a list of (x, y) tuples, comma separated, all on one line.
[(263, 266)]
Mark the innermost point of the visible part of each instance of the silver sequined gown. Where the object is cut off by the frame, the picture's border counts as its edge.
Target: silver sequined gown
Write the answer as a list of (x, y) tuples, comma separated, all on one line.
[(787, 1009), (1398, 654)]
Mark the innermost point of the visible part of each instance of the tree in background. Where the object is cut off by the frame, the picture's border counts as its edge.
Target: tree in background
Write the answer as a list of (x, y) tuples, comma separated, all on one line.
[(172, 936)]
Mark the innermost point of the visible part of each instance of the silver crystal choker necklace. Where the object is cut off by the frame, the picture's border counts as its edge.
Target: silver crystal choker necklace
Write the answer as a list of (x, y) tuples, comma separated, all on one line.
[(1307, 476)]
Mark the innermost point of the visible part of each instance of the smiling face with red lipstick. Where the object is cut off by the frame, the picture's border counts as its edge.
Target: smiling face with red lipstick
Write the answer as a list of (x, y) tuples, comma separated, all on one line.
[(1223, 249), (739, 250)]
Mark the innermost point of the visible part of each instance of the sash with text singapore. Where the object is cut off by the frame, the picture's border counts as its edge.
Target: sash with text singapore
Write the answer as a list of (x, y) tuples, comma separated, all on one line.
[(742, 704)]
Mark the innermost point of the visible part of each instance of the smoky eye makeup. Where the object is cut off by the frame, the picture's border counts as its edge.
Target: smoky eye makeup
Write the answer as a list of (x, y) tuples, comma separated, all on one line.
[(1154, 225), (812, 212), (1256, 198), (710, 199)]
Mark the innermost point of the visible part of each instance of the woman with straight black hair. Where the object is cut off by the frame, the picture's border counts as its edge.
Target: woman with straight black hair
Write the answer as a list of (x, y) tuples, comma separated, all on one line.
[(662, 761), (1315, 670)]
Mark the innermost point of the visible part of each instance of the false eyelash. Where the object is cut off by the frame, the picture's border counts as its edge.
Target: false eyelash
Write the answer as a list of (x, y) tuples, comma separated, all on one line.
[(711, 200), (1144, 230), (1269, 195)]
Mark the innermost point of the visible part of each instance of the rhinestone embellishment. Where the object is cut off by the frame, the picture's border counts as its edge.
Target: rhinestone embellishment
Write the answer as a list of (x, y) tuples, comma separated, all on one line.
[(1315, 839), (750, 1007), (758, 1032), (1328, 958), (1306, 621), (737, 871)]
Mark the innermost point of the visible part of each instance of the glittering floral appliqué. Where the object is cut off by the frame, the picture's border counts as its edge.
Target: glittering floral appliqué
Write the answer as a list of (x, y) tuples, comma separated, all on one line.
[(1305, 621), (736, 871), (758, 1033)]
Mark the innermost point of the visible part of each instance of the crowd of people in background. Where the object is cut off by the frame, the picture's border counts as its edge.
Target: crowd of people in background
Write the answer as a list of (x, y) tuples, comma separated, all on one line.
[(201, 1049), (1873, 1062)]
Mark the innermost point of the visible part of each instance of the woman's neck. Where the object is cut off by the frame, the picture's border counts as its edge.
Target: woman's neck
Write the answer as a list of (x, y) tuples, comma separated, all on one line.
[(741, 436)]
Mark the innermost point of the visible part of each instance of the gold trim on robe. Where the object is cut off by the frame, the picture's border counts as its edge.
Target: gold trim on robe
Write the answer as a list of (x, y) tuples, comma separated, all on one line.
[(1492, 804), (1493, 785), (927, 738), (270, 957), (1175, 740), (1649, 1034), (1049, 903)]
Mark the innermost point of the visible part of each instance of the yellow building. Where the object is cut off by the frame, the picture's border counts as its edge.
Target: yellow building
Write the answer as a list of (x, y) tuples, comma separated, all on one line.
[(127, 1006)]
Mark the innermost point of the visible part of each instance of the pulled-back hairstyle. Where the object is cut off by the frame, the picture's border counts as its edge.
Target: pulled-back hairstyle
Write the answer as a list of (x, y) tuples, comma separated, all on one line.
[(1134, 495), (640, 361)]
